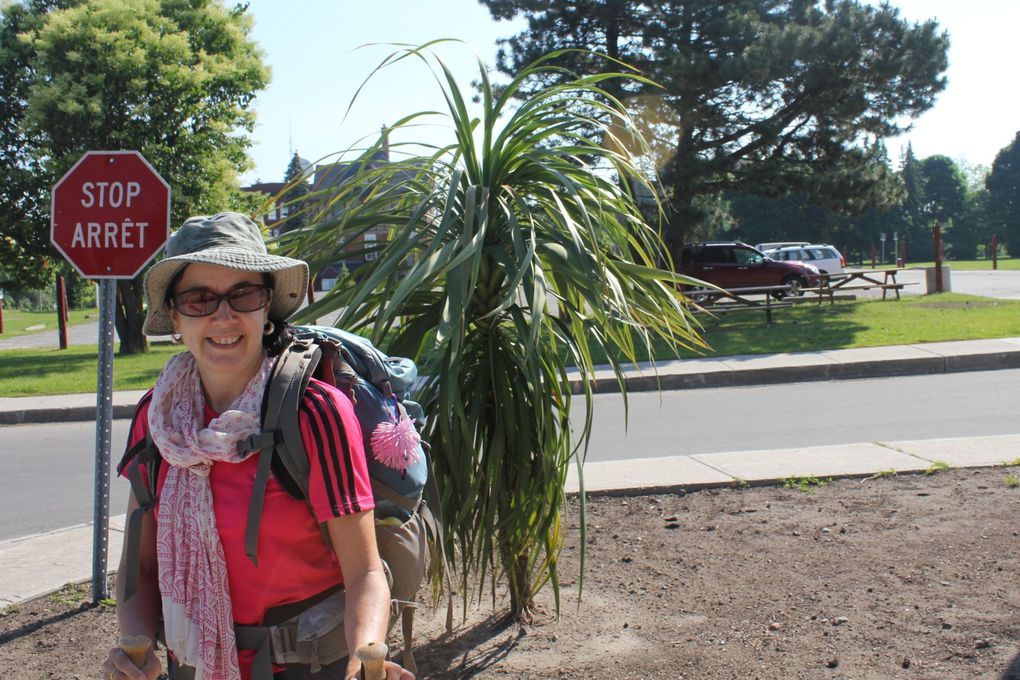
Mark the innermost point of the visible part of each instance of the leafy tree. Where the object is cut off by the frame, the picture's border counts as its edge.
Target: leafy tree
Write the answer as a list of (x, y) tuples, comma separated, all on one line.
[(757, 96), (27, 260), (946, 202), (173, 79), (1003, 185), (507, 261)]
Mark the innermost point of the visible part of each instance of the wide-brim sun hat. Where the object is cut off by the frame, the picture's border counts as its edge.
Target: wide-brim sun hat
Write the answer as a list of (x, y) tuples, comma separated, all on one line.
[(231, 240)]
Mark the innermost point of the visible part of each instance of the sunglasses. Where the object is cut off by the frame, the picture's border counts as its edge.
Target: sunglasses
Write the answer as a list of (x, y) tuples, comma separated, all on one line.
[(203, 302)]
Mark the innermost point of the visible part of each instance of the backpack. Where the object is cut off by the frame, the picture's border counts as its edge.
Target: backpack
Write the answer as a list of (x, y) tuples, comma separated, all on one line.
[(406, 498)]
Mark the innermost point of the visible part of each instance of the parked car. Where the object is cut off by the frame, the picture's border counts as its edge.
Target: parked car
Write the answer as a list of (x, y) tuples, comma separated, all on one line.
[(826, 258), (733, 264), (780, 244)]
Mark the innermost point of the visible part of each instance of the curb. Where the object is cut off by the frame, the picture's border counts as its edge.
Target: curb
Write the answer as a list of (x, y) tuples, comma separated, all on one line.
[(788, 374), (60, 414), (650, 382)]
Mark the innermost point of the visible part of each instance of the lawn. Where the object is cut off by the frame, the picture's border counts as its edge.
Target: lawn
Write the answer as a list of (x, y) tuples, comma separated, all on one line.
[(21, 323), (865, 323), (973, 265), (803, 327), (30, 372)]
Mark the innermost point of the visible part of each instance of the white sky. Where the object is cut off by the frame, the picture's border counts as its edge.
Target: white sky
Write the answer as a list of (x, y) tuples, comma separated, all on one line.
[(312, 48)]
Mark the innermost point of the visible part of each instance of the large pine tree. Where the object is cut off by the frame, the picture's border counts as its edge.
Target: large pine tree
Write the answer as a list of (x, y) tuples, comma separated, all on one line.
[(757, 96)]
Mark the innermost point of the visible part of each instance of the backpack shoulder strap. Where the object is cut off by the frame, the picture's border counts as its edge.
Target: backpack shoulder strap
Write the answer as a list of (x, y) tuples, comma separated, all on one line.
[(287, 383), (142, 453)]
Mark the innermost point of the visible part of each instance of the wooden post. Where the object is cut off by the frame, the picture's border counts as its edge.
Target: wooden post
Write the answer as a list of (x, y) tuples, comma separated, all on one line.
[(62, 311), (311, 292), (1, 314), (937, 234), (874, 254), (995, 253)]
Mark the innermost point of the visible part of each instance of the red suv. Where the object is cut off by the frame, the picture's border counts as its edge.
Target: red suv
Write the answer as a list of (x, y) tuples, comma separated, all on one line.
[(737, 265)]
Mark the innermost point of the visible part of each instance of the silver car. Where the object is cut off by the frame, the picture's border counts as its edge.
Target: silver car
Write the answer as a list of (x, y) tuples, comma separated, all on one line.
[(826, 258)]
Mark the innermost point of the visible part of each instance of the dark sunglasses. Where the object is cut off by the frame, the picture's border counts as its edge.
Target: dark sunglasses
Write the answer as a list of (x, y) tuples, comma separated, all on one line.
[(203, 302)]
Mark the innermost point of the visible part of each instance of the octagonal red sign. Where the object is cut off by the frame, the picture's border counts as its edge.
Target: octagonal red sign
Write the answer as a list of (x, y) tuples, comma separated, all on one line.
[(110, 214)]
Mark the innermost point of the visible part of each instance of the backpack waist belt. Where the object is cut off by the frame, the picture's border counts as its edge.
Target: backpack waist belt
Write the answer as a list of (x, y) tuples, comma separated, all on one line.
[(309, 633)]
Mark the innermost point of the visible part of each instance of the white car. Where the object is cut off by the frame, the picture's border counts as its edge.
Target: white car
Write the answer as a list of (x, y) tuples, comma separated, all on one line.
[(780, 244), (826, 258)]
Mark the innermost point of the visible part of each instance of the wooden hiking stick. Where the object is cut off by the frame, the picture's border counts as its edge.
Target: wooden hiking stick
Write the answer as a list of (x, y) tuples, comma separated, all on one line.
[(136, 647), (372, 656)]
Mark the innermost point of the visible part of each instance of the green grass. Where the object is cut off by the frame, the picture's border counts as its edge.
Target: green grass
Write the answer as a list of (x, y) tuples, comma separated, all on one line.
[(973, 265), (29, 372), (17, 322), (1012, 481), (864, 323), (805, 484), (803, 327), (936, 466)]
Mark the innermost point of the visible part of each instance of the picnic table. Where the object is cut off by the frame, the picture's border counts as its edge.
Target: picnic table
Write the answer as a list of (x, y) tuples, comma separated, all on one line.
[(723, 300), (860, 279)]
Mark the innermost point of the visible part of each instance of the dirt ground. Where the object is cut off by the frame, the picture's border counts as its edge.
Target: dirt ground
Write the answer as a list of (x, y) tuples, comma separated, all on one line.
[(897, 577)]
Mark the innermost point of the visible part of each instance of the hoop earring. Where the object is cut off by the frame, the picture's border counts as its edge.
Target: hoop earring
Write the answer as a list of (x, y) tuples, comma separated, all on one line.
[(175, 336), (268, 328)]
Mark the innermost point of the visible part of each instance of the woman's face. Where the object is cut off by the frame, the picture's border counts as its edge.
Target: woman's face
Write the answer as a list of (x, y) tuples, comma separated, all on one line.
[(226, 344)]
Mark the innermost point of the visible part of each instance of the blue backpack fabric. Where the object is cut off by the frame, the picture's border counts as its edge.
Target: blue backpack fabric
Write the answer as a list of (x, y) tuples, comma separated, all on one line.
[(380, 387)]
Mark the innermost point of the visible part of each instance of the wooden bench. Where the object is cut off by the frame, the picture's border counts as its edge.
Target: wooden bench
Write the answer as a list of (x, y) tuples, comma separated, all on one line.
[(710, 300)]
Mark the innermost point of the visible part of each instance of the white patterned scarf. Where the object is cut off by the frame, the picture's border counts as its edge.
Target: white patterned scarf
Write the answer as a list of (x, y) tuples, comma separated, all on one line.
[(192, 566)]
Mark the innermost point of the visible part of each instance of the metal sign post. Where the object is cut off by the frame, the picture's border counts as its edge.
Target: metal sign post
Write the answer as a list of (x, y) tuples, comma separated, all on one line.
[(104, 418)]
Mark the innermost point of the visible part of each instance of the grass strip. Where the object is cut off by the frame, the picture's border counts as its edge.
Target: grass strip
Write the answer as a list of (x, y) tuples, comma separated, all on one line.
[(32, 372), (18, 323), (801, 328)]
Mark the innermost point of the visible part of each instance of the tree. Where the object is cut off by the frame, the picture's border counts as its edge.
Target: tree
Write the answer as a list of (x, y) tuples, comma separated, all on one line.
[(912, 219), (298, 186), (172, 79), (508, 260), (757, 96), (1003, 185), (946, 202), (27, 261)]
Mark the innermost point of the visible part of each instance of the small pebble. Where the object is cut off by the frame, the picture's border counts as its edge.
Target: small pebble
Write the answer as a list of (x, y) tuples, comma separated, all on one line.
[(982, 644), (905, 663), (832, 662)]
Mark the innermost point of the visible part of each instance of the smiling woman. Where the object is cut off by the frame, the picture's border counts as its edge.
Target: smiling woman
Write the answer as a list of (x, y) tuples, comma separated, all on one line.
[(188, 564)]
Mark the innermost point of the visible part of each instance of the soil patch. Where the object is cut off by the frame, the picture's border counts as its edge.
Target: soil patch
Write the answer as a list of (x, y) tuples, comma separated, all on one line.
[(901, 577)]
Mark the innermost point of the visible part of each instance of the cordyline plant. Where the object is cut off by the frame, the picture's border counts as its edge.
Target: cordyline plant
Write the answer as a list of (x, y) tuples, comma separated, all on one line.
[(512, 253)]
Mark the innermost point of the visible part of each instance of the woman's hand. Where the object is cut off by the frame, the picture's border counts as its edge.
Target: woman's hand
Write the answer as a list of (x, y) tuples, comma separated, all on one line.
[(119, 667), (393, 671)]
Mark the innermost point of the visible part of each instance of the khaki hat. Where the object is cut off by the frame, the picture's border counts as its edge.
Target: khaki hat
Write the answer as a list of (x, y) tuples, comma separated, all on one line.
[(231, 240)]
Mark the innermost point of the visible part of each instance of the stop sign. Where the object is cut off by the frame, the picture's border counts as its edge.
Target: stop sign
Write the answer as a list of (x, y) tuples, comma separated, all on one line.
[(110, 214)]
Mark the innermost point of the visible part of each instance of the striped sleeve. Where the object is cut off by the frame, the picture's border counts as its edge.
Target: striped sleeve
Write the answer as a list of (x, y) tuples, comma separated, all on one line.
[(338, 482), (139, 426)]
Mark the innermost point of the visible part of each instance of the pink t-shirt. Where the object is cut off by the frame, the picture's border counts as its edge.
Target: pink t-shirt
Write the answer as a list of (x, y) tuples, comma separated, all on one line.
[(294, 563)]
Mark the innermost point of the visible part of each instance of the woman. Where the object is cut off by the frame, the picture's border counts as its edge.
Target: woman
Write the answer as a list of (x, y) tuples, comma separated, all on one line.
[(221, 294)]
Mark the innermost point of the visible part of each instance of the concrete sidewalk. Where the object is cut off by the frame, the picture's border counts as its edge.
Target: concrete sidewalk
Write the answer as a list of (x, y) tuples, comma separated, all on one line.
[(35, 565)]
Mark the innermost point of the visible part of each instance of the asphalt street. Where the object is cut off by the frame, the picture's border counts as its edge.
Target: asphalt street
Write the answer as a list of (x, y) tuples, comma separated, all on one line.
[(48, 469)]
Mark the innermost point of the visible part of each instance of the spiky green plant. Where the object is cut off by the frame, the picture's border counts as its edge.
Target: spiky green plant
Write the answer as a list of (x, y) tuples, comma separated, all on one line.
[(511, 253)]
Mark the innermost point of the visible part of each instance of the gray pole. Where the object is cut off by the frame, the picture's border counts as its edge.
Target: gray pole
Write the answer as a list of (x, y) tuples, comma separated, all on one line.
[(104, 416)]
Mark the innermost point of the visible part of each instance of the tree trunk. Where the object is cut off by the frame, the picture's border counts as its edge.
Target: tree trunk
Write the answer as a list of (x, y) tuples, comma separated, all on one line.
[(130, 317)]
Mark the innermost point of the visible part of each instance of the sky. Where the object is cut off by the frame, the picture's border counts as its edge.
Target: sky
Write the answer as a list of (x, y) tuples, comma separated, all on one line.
[(322, 51)]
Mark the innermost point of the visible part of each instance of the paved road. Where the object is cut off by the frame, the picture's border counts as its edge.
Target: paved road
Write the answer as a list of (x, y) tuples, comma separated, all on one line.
[(688, 422), (48, 469)]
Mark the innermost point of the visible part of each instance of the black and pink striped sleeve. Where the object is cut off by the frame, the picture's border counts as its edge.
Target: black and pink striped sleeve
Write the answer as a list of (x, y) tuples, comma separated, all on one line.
[(338, 482)]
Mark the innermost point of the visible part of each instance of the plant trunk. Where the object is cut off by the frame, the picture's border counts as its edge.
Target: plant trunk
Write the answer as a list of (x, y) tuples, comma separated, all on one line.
[(522, 600), (130, 317)]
